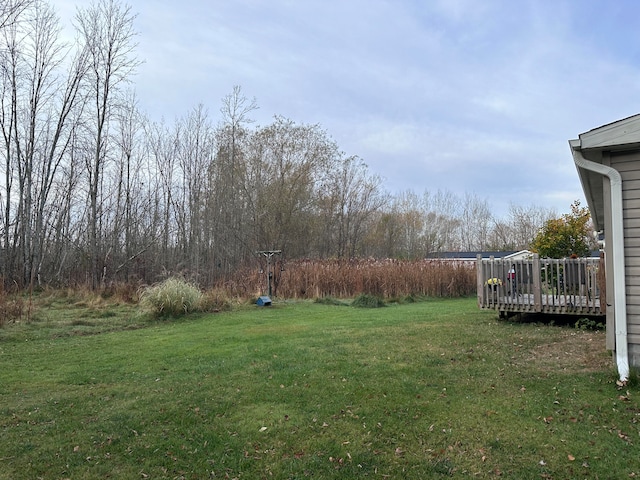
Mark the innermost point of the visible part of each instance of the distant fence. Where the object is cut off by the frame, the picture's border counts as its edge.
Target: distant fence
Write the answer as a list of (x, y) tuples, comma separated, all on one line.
[(541, 285)]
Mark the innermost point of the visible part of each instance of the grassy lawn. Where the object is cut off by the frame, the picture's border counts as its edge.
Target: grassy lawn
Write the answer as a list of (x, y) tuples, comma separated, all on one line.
[(436, 389)]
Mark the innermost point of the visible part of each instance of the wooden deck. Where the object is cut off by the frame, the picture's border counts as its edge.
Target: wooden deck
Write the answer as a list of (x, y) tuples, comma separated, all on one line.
[(553, 286)]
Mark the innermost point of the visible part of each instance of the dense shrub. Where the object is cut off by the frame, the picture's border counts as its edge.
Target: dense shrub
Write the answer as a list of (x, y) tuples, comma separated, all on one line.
[(172, 297), (589, 324)]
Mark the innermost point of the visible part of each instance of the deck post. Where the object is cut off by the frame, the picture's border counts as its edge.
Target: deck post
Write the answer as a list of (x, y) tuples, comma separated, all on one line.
[(537, 284)]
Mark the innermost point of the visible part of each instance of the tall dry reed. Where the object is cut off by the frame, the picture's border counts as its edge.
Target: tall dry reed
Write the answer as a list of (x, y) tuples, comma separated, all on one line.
[(349, 278)]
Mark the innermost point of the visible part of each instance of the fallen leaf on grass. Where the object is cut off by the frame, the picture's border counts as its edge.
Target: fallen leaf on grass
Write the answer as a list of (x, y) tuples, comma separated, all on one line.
[(263, 429), (623, 436), (571, 457)]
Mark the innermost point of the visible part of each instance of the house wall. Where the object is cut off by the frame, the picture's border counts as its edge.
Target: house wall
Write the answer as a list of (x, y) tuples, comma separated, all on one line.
[(608, 260), (628, 164)]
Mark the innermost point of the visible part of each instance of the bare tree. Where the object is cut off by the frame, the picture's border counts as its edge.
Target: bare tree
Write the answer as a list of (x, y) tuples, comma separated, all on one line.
[(107, 30), (412, 220), (526, 222), (163, 145), (357, 198), (57, 130), (442, 231), (37, 119), (126, 207), (196, 141), (12, 72), (228, 197), (10, 11), (476, 220), (517, 230), (188, 197), (66, 238)]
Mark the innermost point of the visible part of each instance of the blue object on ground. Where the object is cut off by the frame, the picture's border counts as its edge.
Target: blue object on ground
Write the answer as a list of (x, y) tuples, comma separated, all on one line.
[(263, 301)]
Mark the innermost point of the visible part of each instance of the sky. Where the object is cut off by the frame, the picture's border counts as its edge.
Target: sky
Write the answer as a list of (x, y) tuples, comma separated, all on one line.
[(466, 96)]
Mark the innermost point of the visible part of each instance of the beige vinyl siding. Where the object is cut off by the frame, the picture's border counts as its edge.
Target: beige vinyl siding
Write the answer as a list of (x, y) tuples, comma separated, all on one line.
[(628, 164)]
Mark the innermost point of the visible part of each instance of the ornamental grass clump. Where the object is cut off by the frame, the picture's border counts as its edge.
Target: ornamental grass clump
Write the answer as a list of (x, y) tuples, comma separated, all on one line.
[(172, 297)]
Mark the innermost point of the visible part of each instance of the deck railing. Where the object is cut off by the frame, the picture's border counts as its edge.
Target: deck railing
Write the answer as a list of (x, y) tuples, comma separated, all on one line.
[(541, 285)]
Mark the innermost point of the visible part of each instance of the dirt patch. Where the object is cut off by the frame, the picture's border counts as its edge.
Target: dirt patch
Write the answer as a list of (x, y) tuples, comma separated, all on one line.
[(574, 351)]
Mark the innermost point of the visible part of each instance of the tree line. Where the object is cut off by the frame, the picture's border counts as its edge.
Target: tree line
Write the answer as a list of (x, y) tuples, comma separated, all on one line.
[(93, 191)]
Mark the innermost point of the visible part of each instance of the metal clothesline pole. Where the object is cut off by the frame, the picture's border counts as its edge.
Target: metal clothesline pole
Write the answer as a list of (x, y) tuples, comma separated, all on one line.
[(268, 254)]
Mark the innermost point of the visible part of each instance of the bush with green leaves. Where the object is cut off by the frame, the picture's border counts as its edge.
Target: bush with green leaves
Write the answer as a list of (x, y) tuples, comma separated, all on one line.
[(589, 324), (172, 297)]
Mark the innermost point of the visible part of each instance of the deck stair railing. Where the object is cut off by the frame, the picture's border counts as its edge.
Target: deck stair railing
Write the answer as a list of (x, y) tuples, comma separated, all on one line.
[(540, 285)]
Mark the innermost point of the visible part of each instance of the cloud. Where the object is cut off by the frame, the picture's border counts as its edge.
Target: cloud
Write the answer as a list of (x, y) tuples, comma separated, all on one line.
[(445, 94)]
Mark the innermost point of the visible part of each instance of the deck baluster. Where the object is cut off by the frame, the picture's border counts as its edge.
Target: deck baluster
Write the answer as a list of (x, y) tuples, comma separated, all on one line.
[(564, 286)]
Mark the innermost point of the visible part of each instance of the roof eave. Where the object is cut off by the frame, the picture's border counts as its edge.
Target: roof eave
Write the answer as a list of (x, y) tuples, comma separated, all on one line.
[(591, 186)]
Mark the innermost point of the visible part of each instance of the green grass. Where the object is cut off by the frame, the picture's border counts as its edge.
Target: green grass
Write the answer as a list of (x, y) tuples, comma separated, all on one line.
[(434, 389)]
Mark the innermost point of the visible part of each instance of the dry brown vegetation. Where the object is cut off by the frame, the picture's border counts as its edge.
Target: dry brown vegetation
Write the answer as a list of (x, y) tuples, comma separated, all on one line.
[(11, 307), (300, 279), (348, 278), (575, 351)]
